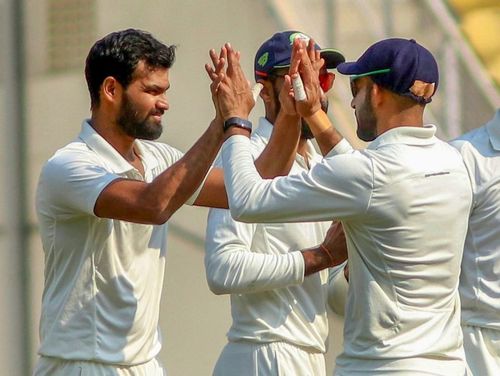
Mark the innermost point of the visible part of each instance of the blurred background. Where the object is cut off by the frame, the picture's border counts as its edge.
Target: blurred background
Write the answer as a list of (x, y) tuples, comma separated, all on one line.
[(43, 100)]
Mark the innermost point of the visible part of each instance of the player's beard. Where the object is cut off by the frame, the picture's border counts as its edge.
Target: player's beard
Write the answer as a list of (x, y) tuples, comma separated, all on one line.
[(133, 126), (367, 122), (305, 131)]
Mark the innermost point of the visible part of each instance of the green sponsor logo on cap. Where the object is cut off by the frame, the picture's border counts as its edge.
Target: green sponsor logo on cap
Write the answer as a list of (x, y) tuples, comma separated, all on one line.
[(263, 59)]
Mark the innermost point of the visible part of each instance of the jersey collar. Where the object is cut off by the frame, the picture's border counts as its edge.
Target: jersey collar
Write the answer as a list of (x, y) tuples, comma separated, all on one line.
[(97, 143), (406, 135)]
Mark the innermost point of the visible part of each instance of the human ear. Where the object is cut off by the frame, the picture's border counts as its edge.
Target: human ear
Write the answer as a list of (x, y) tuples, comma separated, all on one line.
[(377, 94), (267, 91), (110, 89)]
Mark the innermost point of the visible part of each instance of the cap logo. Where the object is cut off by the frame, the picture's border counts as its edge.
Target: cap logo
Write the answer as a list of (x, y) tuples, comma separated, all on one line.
[(294, 36), (263, 59)]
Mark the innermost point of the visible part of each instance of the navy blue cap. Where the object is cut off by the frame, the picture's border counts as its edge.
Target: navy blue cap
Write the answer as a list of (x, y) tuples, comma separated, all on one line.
[(400, 65), (276, 52)]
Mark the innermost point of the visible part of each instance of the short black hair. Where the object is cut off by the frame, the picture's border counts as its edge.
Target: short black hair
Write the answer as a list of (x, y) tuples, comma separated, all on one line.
[(117, 55)]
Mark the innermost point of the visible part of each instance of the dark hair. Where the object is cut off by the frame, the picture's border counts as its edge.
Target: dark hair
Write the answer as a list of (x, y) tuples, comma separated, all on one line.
[(117, 55)]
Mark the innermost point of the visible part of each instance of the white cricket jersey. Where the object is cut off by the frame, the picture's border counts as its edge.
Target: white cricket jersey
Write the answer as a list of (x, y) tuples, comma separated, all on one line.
[(260, 266), (103, 277), (480, 277), (404, 203)]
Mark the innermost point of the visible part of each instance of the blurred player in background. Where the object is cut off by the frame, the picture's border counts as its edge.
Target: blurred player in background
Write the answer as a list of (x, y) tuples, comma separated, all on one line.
[(480, 276), (278, 303)]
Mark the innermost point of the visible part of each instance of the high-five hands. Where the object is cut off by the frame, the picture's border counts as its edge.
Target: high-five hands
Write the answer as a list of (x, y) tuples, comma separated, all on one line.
[(295, 97), (230, 88), (215, 74)]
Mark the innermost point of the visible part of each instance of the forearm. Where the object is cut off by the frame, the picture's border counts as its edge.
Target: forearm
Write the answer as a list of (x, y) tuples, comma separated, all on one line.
[(324, 132), (173, 187), (319, 258), (243, 271), (278, 156)]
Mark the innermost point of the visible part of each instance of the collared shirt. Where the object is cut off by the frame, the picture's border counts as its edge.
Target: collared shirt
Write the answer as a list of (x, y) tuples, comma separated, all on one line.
[(480, 278), (260, 266), (404, 204), (103, 277)]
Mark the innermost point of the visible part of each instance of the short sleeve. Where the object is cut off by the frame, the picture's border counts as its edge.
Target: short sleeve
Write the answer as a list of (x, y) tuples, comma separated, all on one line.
[(70, 184)]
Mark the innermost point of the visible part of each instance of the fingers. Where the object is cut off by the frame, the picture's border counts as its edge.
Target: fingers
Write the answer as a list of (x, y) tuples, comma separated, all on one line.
[(222, 59), (295, 58), (287, 84), (232, 59), (210, 71), (311, 50), (306, 67), (286, 97), (213, 57), (298, 88), (218, 63)]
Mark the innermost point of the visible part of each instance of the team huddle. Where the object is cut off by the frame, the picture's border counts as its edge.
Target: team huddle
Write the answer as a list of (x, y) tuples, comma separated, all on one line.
[(401, 237)]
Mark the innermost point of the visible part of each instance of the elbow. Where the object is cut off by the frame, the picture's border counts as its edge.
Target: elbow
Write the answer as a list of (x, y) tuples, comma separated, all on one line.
[(217, 278), (240, 213), (156, 214), (160, 218), (217, 286)]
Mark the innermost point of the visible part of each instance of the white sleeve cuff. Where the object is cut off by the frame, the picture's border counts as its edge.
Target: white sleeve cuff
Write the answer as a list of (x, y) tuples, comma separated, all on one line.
[(299, 266)]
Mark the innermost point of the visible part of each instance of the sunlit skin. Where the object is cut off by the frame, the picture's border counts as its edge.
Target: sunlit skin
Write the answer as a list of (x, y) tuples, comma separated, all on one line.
[(306, 132), (144, 102), (363, 108), (127, 113)]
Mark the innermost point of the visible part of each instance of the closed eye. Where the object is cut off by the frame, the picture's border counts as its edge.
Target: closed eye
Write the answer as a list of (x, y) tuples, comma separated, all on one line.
[(156, 90)]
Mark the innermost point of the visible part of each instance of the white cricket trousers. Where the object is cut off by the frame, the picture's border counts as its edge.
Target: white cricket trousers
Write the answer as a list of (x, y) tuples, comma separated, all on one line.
[(47, 366), (268, 359), (482, 350)]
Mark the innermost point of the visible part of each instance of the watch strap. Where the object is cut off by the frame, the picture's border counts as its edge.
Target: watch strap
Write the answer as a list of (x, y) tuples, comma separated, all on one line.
[(237, 122)]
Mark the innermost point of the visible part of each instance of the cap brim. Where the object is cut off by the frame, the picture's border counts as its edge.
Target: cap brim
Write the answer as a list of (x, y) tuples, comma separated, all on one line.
[(349, 68), (332, 57)]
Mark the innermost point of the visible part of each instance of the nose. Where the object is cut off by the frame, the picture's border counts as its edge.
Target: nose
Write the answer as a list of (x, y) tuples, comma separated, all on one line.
[(162, 103), (353, 106)]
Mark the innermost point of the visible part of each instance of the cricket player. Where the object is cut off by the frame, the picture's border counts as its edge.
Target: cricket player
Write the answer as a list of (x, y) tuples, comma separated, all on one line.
[(280, 323), (480, 276), (103, 202), (404, 203)]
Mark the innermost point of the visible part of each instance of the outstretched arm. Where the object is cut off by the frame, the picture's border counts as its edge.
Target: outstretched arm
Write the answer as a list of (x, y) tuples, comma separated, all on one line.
[(233, 268), (305, 64), (277, 157), (155, 202)]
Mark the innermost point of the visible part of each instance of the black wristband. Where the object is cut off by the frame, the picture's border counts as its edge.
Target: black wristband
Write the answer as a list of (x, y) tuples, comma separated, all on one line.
[(237, 122)]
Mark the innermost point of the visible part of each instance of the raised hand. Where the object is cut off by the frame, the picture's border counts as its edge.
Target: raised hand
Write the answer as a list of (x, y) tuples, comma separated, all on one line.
[(215, 73), (286, 98), (306, 64), (234, 94)]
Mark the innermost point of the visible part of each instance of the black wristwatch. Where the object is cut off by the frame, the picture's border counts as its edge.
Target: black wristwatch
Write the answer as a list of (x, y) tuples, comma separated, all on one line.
[(237, 122)]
